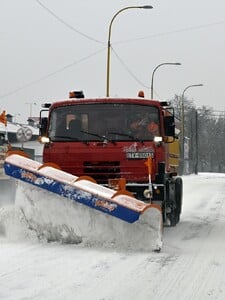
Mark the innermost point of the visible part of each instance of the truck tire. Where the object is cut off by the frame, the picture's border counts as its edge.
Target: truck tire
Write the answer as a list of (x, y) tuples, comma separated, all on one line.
[(178, 197), (171, 202)]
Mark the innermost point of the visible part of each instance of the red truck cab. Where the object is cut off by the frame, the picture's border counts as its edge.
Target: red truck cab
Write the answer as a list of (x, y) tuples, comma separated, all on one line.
[(96, 138)]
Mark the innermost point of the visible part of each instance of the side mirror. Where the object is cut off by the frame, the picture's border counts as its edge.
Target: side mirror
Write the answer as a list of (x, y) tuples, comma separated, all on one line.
[(169, 126), (43, 126)]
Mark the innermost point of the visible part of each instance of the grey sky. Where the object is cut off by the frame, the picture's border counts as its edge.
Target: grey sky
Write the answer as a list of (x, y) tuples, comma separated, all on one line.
[(42, 59)]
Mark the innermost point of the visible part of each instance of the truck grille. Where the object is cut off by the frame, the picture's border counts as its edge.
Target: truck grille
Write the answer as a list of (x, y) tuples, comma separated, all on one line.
[(101, 171)]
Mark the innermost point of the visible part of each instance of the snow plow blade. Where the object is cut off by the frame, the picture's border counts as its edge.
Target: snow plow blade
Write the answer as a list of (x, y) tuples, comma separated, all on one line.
[(41, 207)]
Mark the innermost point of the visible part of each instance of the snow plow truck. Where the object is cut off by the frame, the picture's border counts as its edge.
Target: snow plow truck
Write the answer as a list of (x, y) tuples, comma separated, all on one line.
[(109, 171)]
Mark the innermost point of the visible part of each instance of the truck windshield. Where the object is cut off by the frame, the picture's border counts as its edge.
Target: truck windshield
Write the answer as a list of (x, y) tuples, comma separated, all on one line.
[(104, 121)]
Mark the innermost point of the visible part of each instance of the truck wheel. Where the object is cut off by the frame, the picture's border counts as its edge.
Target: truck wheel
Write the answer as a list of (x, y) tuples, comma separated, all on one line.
[(171, 197), (178, 197)]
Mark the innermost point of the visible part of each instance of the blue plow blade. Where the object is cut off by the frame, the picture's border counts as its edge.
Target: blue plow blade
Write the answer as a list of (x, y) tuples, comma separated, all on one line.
[(79, 189)]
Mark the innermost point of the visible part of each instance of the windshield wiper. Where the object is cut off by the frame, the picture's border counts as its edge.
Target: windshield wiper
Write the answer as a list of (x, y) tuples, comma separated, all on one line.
[(105, 138), (127, 135), (64, 137)]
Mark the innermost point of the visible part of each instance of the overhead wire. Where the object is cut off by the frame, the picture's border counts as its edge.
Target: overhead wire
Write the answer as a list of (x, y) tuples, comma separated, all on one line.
[(52, 73), (130, 72), (118, 42), (191, 28), (157, 35), (67, 24)]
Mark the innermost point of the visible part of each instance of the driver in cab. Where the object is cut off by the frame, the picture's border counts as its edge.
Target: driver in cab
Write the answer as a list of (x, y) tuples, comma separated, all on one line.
[(144, 126)]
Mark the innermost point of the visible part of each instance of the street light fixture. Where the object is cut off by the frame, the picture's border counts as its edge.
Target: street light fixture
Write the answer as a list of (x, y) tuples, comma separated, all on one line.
[(153, 73), (109, 40), (182, 117)]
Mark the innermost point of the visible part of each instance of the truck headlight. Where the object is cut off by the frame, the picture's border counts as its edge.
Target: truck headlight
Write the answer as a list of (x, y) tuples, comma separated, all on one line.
[(43, 139), (158, 139)]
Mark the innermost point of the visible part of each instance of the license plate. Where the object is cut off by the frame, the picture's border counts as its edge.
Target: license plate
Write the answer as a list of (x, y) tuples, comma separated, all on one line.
[(139, 155)]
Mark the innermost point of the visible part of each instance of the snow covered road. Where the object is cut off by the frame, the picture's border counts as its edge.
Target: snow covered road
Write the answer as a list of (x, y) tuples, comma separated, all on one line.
[(191, 264)]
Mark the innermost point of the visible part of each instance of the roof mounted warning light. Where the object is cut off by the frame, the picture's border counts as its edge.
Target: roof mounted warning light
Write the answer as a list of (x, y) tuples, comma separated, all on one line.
[(141, 94), (76, 94)]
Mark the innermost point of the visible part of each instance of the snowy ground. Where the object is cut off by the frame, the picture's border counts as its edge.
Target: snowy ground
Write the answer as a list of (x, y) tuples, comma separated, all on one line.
[(191, 264)]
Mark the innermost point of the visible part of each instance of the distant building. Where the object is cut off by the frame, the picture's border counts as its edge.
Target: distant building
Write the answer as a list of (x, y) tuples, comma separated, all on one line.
[(9, 118), (33, 121)]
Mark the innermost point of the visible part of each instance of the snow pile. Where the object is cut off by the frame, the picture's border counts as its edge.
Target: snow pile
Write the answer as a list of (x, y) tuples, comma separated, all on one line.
[(7, 189), (54, 218), (13, 224)]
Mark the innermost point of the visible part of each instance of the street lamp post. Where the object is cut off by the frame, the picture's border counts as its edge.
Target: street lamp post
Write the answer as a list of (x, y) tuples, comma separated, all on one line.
[(182, 119), (31, 104), (109, 41), (196, 142), (15, 117), (153, 73)]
